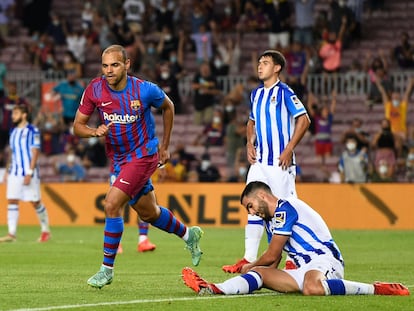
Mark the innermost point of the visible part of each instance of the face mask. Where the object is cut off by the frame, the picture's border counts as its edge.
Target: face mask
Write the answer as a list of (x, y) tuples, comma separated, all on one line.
[(48, 125), (165, 75), (242, 171), (350, 146), (216, 120), (92, 141), (70, 158), (229, 108), (410, 156), (173, 59), (167, 37), (383, 169), (395, 102), (151, 50), (217, 63), (205, 164)]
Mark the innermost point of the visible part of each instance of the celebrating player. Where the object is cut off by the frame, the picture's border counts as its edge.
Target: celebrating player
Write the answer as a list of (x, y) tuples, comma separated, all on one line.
[(124, 105), (303, 234)]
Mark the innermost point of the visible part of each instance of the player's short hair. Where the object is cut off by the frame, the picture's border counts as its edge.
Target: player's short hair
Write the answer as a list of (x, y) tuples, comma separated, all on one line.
[(253, 187), (276, 56), (24, 108), (116, 48)]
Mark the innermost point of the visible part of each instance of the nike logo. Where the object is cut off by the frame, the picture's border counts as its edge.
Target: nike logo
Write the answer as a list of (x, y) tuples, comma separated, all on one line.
[(124, 181), (106, 104)]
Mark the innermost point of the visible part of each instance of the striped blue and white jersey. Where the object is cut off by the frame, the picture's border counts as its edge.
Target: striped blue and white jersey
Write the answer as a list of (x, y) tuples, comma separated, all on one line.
[(22, 141), (309, 235), (274, 111)]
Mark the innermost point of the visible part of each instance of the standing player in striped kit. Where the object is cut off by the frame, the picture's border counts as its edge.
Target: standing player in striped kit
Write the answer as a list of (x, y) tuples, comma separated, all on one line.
[(277, 122), (299, 230), (124, 104), (22, 174)]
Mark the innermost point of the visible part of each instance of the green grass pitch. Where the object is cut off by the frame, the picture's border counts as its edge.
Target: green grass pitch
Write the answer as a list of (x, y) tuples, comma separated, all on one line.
[(52, 276)]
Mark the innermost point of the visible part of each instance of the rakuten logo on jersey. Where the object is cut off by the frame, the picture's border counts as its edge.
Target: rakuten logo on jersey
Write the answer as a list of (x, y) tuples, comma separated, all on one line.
[(119, 118)]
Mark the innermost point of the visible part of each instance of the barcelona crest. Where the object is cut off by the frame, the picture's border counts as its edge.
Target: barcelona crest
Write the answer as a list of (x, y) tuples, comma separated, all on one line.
[(135, 104)]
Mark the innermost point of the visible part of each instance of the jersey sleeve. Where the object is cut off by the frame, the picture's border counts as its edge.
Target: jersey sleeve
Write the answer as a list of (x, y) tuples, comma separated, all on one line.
[(284, 218), (154, 94), (293, 103), (36, 139), (87, 102)]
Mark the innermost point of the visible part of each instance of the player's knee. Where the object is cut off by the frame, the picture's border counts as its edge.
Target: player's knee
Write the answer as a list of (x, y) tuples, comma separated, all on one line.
[(312, 289)]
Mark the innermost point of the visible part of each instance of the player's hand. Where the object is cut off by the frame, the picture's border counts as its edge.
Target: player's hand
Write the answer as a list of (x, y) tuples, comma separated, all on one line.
[(26, 180), (251, 153), (163, 156), (285, 159), (102, 130)]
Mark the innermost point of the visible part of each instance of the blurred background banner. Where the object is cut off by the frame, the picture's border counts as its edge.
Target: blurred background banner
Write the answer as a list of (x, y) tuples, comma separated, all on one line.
[(343, 206)]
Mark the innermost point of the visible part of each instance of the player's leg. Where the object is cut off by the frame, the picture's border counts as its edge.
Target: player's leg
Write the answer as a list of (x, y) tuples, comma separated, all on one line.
[(43, 217), (114, 228), (144, 244), (14, 193), (162, 218), (12, 220), (253, 231)]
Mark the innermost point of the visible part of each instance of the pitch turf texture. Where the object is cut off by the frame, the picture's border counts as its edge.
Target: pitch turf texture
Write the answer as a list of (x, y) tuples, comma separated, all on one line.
[(52, 276)]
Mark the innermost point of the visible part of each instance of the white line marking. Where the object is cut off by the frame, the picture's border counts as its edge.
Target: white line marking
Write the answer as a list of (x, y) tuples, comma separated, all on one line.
[(142, 301)]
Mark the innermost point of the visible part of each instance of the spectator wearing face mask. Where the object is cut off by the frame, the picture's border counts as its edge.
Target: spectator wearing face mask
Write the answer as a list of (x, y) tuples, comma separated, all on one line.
[(169, 84), (207, 172), (396, 108), (385, 145), (353, 162), (213, 133), (70, 168)]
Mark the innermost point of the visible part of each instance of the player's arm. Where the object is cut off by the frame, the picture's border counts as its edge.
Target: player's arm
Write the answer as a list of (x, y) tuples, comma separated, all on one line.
[(167, 108), (35, 156), (301, 126), (251, 138), (272, 256), (82, 129)]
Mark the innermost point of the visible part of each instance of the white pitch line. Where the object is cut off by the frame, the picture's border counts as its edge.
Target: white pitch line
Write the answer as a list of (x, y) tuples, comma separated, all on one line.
[(141, 301)]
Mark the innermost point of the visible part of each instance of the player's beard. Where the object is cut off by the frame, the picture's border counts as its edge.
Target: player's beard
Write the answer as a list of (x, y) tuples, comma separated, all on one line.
[(264, 210), (18, 121)]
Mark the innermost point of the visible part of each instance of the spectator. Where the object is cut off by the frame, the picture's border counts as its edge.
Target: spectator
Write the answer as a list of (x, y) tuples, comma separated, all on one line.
[(403, 53), (205, 92), (239, 167), (323, 130), (396, 108), (70, 168), (207, 172), (198, 17), (134, 11), (94, 153), (340, 12), (70, 92), (71, 65), (297, 60), (58, 29), (377, 67), (6, 15), (167, 43), (253, 19), (409, 165), (304, 22), (353, 162), (3, 73), (279, 14), (331, 50), (164, 15), (88, 14), (361, 136), (385, 145), (169, 84), (229, 18), (51, 126), (203, 41), (213, 133), (7, 104), (173, 171), (77, 43), (235, 139)]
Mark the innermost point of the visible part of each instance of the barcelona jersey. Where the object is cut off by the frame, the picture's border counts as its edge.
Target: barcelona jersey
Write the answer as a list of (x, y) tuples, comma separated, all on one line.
[(132, 130)]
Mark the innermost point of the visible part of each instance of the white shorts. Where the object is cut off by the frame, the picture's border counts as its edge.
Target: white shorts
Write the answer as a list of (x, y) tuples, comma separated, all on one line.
[(17, 191), (329, 266), (282, 182)]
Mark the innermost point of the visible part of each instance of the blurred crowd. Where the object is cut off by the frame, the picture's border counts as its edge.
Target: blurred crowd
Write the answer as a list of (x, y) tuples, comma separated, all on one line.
[(160, 36)]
